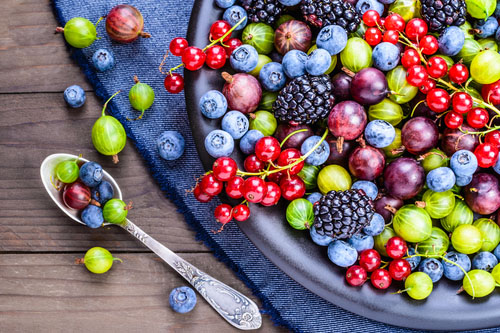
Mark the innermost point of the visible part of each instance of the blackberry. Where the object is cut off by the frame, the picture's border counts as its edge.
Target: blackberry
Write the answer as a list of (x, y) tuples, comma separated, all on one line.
[(305, 100), (321, 13), (266, 11), (342, 214), (441, 13)]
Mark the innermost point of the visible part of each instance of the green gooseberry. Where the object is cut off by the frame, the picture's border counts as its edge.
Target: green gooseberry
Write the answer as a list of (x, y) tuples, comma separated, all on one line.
[(401, 91), (474, 93), (283, 19), (386, 110), (357, 55), (67, 171), (264, 122), (263, 59), (467, 30), (448, 59), (460, 214), (79, 32), (393, 150), (141, 96), (408, 9), (488, 44), (267, 100), (115, 211), (260, 36), (309, 174), (490, 232), (481, 281), (98, 260), (480, 9), (381, 240), (469, 50), (334, 178), (434, 159), (418, 285), (438, 204), (334, 59), (361, 30), (412, 223), (108, 134), (466, 239), (299, 214), (496, 273), (485, 67), (436, 245)]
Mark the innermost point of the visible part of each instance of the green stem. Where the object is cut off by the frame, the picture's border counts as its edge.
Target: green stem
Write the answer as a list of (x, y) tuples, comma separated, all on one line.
[(106, 104), (292, 134), (117, 259)]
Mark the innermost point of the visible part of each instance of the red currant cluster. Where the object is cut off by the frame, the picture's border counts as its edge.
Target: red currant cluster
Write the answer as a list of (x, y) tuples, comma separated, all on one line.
[(193, 58), (370, 261), (382, 29)]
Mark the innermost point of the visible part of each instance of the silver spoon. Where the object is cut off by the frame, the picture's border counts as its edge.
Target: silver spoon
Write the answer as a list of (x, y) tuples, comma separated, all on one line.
[(237, 309)]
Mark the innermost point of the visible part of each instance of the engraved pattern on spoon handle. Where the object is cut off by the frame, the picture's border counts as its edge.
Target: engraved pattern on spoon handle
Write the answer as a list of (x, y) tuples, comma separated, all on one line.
[(237, 309)]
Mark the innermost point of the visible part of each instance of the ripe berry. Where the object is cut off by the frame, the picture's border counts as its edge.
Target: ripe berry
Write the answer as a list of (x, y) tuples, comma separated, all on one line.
[(254, 189), (416, 75), (373, 36), (267, 149), (289, 156), (394, 22), (381, 279), (253, 164), (177, 46), (486, 154), (232, 45), (491, 92), (216, 57), (371, 18), (193, 58), (462, 102), (241, 213), (493, 138), (200, 196), (399, 269), (427, 86), (453, 120), (211, 185), (458, 73), (396, 247), (223, 213), (174, 83), (416, 29), (220, 28), (273, 195), (478, 117), (224, 168), (356, 276), (437, 67), (428, 45), (234, 187), (391, 36), (438, 100), (276, 176), (369, 260), (292, 187), (410, 58)]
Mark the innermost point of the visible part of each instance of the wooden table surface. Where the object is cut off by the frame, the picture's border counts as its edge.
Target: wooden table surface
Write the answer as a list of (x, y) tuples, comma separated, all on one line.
[(41, 288)]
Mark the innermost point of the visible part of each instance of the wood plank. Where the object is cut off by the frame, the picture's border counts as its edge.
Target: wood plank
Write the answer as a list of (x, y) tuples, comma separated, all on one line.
[(34, 126), (49, 293)]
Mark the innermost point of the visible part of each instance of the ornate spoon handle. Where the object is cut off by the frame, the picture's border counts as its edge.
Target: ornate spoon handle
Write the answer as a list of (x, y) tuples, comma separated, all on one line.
[(237, 309)]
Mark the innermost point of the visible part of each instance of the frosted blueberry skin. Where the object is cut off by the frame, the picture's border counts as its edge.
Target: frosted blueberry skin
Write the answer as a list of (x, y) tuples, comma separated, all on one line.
[(103, 60), (342, 254), (320, 154), (441, 179), (74, 96), (219, 143), (485, 261), (452, 271), (92, 216), (314, 197), (289, 3), (318, 62), (234, 14), (413, 261), (244, 58), (463, 180), (361, 242), (170, 145), (369, 188), (224, 3), (182, 299), (332, 38), (248, 141), (213, 104), (91, 174), (294, 63), (379, 133), (496, 252), (321, 240), (235, 123), (362, 6), (386, 56), (433, 268), (486, 27), (272, 77), (463, 163), (451, 41), (376, 226), (103, 192)]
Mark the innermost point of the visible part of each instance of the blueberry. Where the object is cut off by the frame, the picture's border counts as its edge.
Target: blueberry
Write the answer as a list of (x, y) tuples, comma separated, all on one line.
[(320, 154), (91, 174), (497, 34), (496, 167), (363, 6), (440, 179), (376, 226), (182, 299), (74, 96), (486, 27), (332, 38), (342, 254), (361, 242), (244, 58), (213, 104), (294, 63), (170, 145), (413, 261), (103, 192), (379, 133), (484, 261), (431, 267), (497, 10), (463, 163), (451, 41), (385, 56), (496, 252), (369, 188), (314, 197), (452, 271), (272, 77), (92, 216), (248, 141), (103, 60), (321, 240), (234, 14), (224, 3), (219, 143), (387, 2), (318, 62), (289, 3), (463, 180), (235, 123)]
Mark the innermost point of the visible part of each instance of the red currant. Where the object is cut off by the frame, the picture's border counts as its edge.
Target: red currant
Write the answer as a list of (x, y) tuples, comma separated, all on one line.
[(224, 168), (356, 276), (241, 213), (394, 22), (223, 213), (373, 36), (370, 260), (462, 102), (177, 46), (478, 117), (267, 149), (437, 67), (399, 269), (253, 164), (292, 187), (396, 247), (453, 120), (371, 18), (486, 154), (491, 92), (427, 86), (493, 138), (391, 36), (289, 156), (234, 187), (193, 58), (216, 57), (211, 185), (416, 29), (273, 195), (381, 279), (416, 75), (174, 83), (428, 45), (459, 73), (438, 100), (200, 196), (254, 189), (232, 45), (410, 58), (220, 28), (276, 176)]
